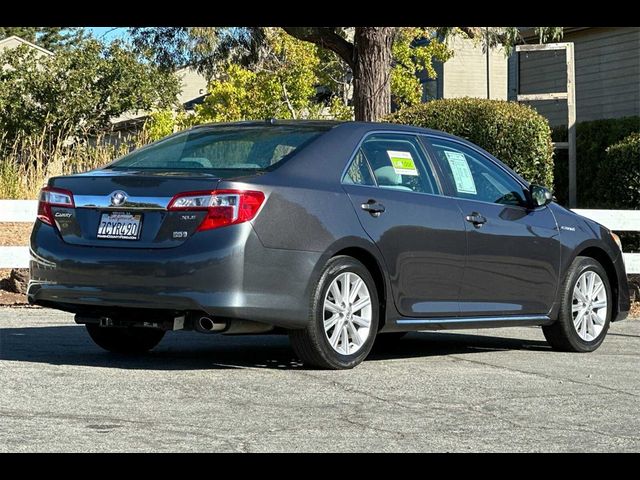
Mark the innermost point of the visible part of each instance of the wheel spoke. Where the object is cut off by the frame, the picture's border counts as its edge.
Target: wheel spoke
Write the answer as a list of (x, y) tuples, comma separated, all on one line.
[(355, 289), (597, 320), (577, 322), (360, 304), (331, 321), (346, 288), (345, 339), (578, 294), (355, 335), (335, 336), (583, 327), (332, 307), (360, 321), (598, 288), (599, 304), (589, 330)]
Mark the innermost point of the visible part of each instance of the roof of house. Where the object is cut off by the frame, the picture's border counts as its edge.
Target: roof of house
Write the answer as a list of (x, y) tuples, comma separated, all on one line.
[(14, 38)]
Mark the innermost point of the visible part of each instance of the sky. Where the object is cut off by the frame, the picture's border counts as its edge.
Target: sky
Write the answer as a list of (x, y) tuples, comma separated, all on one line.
[(108, 33)]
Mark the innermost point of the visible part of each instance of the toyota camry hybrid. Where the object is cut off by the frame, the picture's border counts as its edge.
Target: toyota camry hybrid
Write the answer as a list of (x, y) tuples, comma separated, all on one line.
[(336, 233)]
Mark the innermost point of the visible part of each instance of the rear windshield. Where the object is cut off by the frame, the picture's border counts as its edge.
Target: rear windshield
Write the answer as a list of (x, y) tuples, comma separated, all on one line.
[(226, 151)]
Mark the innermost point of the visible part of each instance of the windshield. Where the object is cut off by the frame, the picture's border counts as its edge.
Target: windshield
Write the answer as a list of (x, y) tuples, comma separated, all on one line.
[(228, 151)]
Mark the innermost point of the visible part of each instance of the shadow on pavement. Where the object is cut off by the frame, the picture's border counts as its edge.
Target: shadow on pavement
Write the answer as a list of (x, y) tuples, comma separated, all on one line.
[(71, 345)]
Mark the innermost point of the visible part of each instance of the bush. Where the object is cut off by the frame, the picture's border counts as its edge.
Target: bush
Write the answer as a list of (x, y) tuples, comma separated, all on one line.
[(592, 140), (620, 174), (514, 133)]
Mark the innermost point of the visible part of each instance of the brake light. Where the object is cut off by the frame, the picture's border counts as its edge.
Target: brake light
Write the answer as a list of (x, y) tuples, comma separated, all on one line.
[(53, 197), (223, 207)]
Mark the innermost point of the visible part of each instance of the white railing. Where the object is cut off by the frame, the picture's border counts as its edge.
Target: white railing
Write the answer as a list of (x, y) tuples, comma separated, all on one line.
[(618, 221), (19, 211), (25, 211)]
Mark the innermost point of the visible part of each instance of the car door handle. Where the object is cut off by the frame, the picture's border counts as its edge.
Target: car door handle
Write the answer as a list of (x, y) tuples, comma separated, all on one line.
[(477, 219), (373, 207)]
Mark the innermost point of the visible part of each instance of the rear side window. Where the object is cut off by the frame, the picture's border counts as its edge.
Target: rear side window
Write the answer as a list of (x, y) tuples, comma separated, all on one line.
[(226, 151), (398, 163), (358, 172)]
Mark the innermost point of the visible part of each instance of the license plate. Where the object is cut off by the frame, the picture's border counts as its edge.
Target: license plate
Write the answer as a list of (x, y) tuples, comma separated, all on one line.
[(120, 226)]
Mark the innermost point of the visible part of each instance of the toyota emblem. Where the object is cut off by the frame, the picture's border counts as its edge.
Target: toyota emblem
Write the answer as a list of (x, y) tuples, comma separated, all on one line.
[(118, 198)]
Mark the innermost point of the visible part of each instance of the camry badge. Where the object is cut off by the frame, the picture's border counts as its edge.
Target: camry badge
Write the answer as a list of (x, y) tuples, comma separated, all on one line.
[(118, 198)]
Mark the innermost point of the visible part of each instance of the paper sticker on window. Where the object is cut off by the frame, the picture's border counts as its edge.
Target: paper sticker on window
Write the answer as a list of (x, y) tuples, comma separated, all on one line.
[(461, 173), (403, 163)]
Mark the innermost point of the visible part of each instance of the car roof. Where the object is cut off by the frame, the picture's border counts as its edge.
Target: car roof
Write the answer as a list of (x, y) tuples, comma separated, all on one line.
[(327, 124)]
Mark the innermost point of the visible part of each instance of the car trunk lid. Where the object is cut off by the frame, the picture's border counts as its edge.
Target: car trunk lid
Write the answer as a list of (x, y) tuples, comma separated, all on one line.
[(128, 209)]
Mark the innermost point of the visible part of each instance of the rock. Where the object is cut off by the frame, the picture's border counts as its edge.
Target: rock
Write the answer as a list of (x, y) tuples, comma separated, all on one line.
[(17, 282)]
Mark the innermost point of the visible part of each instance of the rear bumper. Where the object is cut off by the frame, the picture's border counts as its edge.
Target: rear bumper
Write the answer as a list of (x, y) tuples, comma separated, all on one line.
[(224, 272)]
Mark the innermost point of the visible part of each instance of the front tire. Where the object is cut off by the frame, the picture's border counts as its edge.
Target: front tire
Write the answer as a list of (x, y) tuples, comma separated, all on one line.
[(343, 319), (129, 340), (585, 309)]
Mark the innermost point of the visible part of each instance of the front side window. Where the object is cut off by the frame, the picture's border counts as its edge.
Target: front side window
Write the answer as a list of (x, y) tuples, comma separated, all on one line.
[(397, 162), (226, 151), (475, 177)]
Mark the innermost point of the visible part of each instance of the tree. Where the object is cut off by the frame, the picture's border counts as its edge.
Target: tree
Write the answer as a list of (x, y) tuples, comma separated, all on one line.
[(376, 56), (370, 56), (77, 91)]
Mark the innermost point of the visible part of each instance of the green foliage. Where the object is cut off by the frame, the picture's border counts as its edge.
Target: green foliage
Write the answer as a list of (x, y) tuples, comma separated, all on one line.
[(621, 174), (77, 91), (410, 58), (165, 122), (592, 140), (282, 86), (514, 133)]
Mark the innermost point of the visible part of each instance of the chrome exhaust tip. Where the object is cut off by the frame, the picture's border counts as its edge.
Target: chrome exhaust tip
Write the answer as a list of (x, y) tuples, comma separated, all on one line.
[(208, 325)]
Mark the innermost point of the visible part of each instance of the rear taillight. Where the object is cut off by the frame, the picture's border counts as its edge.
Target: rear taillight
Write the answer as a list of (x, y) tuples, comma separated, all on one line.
[(53, 197), (223, 207)]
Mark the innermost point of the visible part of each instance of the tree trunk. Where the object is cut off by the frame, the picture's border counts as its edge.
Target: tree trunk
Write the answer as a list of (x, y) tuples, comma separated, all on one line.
[(372, 72)]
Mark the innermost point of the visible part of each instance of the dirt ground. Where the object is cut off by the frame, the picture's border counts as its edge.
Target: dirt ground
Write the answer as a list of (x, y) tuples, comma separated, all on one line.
[(14, 234)]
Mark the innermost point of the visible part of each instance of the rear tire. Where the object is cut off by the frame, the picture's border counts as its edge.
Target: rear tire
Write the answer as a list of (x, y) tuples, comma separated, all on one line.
[(343, 319), (128, 340), (585, 308)]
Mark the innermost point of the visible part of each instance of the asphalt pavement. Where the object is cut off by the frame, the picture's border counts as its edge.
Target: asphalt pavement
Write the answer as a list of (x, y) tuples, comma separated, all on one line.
[(471, 390)]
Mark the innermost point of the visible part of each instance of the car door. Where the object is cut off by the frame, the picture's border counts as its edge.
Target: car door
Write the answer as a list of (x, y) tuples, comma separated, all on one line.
[(419, 232), (513, 255)]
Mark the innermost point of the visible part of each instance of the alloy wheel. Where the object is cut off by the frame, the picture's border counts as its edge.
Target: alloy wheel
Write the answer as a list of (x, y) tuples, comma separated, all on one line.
[(347, 313), (589, 306)]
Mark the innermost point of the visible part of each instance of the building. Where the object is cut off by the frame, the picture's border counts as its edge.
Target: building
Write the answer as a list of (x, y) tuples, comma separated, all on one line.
[(607, 66), (607, 71), (468, 72), (15, 42)]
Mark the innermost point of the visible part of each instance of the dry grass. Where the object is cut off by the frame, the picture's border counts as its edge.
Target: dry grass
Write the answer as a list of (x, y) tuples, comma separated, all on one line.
[(28, 161), (15, 234)]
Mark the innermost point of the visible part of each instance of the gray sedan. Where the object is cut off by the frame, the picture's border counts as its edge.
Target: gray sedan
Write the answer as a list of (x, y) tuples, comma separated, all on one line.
[(336, 233)]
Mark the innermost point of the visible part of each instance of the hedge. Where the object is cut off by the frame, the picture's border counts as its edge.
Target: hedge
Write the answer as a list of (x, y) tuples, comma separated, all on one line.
[(592, 140), (514, 133), (621, 175)]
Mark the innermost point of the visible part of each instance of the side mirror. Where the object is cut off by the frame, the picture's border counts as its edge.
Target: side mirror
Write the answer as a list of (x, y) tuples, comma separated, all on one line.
[(540, 196)]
